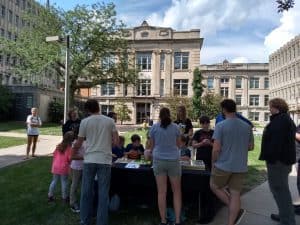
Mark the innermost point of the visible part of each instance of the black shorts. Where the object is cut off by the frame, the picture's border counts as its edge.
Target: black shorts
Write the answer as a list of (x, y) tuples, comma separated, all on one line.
[(30, 135)]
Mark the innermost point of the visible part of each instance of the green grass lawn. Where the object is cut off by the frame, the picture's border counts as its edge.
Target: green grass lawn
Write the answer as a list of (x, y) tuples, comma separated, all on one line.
[(20, 127), (6, 142)]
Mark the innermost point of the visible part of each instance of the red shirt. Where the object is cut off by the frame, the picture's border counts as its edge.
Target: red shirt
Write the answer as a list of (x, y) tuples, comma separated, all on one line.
[(61, 161)]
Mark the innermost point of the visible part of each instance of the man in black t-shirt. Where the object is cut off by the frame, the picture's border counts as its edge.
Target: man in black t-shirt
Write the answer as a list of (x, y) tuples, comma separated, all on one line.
[(202, 140)]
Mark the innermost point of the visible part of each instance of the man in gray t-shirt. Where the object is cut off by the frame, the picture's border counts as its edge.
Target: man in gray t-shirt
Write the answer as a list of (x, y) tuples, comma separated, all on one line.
[(233, 138)]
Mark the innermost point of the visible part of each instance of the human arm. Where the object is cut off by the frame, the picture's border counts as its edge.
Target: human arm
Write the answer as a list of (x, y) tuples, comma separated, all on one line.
[(77, 145), (251, 143), (297, 135), (216, 151), (115, 138)]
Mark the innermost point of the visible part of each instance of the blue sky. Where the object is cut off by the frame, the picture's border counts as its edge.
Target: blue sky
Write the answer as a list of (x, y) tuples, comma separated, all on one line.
[(236, 30)]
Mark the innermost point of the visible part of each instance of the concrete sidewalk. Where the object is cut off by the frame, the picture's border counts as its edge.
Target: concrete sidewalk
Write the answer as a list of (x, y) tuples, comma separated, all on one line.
[(12, 155), (259, 203)]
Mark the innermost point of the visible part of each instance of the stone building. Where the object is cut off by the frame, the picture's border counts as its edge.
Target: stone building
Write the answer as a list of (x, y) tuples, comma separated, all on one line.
[(166, 59), (285, 75), (246, 83), (36, 90)]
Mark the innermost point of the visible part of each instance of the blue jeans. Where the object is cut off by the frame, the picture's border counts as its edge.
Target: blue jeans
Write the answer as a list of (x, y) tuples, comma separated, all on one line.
[(64, 185), (278, 174), (103, 172)]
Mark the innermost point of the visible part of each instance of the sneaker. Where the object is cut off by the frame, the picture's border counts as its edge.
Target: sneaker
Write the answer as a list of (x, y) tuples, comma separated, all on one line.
[(75, 208), (275, 217), (51, 199), (239, 217)]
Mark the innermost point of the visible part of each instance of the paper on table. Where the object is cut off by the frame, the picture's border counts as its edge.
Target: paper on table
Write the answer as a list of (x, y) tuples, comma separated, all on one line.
[(132, 165)]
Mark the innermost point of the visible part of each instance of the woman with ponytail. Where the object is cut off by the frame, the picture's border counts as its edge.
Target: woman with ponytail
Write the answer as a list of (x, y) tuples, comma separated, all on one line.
[(164, 137)]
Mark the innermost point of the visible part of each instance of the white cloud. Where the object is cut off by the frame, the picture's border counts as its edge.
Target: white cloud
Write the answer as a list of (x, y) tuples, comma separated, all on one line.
[(212, 15), (235, 52), (289, 27)]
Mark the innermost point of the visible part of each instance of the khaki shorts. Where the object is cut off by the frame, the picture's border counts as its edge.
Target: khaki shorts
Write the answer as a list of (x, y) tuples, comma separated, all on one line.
[(171, 168), (222, 179)]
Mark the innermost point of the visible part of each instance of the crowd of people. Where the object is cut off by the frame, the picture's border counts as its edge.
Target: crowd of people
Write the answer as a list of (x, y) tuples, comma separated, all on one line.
[(90, 146)]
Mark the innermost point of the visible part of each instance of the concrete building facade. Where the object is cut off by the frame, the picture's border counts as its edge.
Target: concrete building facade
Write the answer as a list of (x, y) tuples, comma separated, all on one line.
[(246, 83), (166, 59), (36, 90), (285, 75)]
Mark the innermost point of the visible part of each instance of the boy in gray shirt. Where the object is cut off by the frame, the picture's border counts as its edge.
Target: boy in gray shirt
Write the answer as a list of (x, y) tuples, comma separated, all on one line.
[(232, 140)]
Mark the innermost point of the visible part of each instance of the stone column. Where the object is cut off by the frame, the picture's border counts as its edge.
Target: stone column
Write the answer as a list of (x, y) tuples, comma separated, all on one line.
[(232, 88), (155, 67), (245, 96), (217, 85), (168, 73), (131, 62)]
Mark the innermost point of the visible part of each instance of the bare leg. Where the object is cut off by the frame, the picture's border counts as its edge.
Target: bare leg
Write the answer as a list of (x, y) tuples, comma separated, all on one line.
[(35, 138), (221, 193), (234, 206), (29, 141), (161, 183), (176, 188)]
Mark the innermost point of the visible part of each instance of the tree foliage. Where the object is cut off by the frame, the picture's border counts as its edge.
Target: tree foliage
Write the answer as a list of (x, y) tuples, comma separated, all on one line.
[(198, 88), (56, 111), (211, 105), (123, 112), (95, 34), (175, 101), (285, 5)]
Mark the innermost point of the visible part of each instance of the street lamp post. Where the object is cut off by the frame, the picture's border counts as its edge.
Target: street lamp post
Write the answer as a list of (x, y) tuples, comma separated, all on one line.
[(67, 85)]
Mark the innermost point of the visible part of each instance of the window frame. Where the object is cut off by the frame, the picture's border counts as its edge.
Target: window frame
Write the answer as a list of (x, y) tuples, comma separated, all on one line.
[(181, 60), (181, 90)]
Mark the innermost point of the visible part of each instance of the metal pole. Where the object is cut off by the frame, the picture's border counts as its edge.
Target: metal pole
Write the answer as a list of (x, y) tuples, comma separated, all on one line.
[(67, 86)]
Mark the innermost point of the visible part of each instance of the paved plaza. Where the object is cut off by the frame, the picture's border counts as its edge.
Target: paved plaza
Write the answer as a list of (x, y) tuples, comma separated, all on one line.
[(258, 202)]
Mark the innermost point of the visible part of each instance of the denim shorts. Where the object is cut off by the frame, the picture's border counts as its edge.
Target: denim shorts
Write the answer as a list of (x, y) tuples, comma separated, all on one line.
[(171, 168)]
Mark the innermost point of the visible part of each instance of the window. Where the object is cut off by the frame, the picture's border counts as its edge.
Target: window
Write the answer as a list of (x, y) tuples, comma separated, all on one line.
[(254, 100), (224, 92), (181, 60), (108, 62), (162, 87), (17, 20), (162, 61), (254, 116), (108, 89), (238, 82), (94, 91), (224, 80), (266, 82), (9, 35), (23, 4), (10, 16), (1, 60), (17, 2), (254, 82), (266, 100), (2, 32), (3, 11), (144, 87), (181, 87), (210, 82), (143, 60), (266, 116), (238, 99), (105, 109), (29, 102), (23, 23)]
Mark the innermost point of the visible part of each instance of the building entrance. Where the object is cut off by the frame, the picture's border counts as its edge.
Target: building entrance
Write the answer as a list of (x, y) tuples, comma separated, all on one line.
[(142, 112)]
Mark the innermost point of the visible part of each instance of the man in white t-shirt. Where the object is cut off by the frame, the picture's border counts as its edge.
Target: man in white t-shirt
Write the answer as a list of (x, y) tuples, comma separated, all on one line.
[(100, 133)]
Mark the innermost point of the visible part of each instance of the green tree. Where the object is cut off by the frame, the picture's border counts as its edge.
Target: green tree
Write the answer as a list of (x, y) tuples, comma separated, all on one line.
[(175, 101), (6, 101), (123, 112), (198, 88), (285, 5), (95, 36), (211, 105)]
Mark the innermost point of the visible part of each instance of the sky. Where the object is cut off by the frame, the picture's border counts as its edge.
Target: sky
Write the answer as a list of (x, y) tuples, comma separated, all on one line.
[(241, 31)]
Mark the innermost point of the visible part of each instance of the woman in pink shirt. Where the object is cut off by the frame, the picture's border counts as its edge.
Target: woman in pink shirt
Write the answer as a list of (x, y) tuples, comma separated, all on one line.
[(60, 166)]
